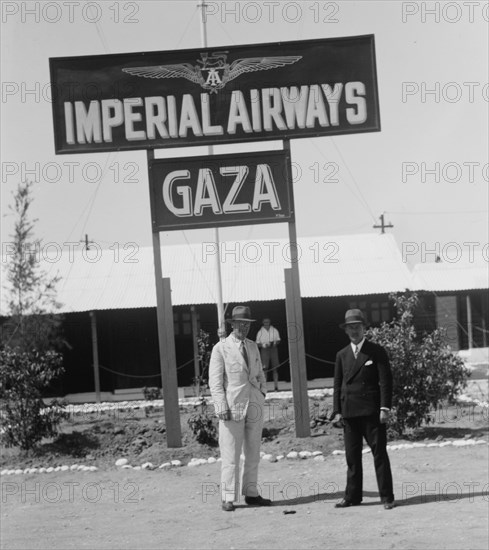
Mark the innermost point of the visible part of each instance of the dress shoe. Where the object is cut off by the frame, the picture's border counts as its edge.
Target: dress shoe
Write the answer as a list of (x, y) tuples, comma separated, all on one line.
[(228, 507), (344, 503), (389, 504), (258, 501)]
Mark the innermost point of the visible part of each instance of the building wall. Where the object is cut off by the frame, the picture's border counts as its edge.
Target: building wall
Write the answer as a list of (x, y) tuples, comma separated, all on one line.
[(479, 309), (446, 317), (128, 339), (128, 342), (449, 310), (127, 350)]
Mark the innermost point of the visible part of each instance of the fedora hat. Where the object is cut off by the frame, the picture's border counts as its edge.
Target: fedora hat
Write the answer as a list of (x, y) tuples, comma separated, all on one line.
[(240, 313), (353, 316)]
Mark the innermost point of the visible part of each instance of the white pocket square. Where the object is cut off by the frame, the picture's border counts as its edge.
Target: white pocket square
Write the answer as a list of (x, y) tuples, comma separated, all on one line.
[(369, 362)]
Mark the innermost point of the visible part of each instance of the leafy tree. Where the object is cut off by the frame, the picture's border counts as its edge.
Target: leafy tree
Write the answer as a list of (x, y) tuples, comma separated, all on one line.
[(32, 305), (425, 370), (29, 362), (23, 376)]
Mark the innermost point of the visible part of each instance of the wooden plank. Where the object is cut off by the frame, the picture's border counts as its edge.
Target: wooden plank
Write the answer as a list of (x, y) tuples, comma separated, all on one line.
[(297, 356), (195, 343), (96, 371), (169, 371), (166, 342), (295, 327)]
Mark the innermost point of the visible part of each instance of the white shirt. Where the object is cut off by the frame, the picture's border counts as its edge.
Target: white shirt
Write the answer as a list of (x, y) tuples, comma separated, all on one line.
[(359, 346), (269, 336), (238, 342)]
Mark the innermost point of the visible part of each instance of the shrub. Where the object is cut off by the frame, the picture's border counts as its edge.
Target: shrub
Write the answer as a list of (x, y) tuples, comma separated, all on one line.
[(25, 419), (152, 394), (203, 425), (28, 362), (425, 371), (200, 382)]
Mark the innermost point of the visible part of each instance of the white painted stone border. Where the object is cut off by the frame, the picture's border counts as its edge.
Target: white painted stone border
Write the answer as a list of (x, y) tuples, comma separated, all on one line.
[(112, 406), (49, 470), (293, 455), (123, 463)]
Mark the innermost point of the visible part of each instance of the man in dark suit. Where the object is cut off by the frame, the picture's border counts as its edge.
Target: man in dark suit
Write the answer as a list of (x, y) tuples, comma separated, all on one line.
[(363, 399)]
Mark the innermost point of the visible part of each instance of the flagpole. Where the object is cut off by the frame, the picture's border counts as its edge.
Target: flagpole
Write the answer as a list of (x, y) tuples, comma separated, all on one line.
[(221, 329)]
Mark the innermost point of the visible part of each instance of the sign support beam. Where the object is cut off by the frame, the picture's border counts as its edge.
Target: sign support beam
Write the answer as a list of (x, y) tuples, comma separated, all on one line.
[(297, 352), (96, 372), (166, 341), (195, 344)]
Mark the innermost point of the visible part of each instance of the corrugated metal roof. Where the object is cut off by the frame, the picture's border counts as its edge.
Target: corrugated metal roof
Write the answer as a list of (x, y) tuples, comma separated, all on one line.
[(251, 271), (443, 277)]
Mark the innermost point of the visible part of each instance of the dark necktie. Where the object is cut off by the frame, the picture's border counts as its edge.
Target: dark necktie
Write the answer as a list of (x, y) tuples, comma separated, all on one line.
[(242, 349)]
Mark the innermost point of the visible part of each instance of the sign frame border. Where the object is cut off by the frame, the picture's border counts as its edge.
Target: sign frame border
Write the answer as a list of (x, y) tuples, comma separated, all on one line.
[(286, 164), (209, 141)]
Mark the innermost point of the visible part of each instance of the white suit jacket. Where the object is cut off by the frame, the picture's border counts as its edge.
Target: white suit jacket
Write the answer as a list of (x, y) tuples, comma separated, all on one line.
[(230, 380)]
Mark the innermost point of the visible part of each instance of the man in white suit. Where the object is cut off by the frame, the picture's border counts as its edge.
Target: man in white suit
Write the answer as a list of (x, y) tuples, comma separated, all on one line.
[(238, 390)]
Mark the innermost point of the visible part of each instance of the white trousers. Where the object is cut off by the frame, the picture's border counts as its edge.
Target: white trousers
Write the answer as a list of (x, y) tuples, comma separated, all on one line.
[(236, 436)]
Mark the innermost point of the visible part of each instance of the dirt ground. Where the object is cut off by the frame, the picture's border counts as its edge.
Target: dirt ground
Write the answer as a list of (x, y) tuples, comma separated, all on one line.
[(442, 493)]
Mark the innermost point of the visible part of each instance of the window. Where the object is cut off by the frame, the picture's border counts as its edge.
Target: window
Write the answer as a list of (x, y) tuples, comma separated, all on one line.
[(375, 312), (379, 312), (186, 324), (360, 305), (182, 323)]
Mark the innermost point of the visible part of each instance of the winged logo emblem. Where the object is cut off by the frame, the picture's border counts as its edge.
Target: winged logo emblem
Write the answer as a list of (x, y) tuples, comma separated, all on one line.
[(212, 72)]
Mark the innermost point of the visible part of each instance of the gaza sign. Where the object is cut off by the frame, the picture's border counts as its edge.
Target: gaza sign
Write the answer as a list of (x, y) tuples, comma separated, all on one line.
[(220, 190), (211, 96)]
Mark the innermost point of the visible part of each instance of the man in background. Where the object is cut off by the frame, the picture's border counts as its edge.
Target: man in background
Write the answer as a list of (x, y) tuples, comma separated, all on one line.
[(268, 339)]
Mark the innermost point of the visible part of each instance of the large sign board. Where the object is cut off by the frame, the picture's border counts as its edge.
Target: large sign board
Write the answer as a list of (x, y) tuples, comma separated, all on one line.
[(220, 190), (209, 96)]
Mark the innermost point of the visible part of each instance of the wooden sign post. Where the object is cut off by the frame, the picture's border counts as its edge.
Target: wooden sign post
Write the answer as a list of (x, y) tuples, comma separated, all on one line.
[(209, 96), (166, 340), (295, 327)]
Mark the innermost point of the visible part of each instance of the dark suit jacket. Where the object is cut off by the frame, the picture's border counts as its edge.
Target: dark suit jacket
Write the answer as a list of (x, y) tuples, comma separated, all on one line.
[(364, 385)]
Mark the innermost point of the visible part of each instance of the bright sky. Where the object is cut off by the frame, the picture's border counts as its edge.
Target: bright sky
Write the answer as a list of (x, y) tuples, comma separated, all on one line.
[(427, 169)]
